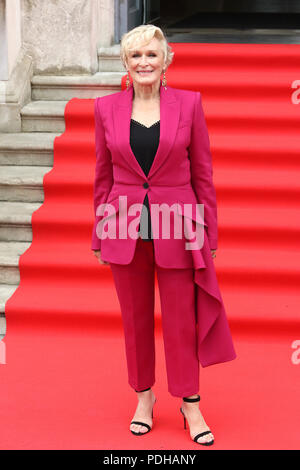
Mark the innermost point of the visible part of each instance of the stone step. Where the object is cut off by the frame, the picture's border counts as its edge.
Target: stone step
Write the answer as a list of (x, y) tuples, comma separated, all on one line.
[(15, 220), (43, 116), (22, 183), (6, 291), (10, 253), (27, 148), (109, 59), (2, 326), (63, 88)]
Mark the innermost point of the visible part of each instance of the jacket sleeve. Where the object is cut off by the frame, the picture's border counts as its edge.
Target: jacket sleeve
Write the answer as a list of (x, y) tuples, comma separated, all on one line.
[(202, 172), (103, 172)]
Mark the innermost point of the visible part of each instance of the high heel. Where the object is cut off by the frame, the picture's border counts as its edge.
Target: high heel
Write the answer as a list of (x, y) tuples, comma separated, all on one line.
[(209, 443), (140, 422)]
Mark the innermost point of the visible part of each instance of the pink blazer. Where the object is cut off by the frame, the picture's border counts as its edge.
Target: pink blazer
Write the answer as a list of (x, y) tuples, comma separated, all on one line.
[(181, 172)]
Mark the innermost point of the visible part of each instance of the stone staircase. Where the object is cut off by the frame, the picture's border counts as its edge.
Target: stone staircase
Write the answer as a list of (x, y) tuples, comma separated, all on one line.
[(25, 158)]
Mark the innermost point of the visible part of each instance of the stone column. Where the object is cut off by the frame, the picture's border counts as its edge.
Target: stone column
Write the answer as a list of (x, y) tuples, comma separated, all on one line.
[(47, 37), (10, 36)]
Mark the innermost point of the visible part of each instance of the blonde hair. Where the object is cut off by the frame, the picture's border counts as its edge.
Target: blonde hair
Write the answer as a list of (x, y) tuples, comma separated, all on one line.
[(142, 35)]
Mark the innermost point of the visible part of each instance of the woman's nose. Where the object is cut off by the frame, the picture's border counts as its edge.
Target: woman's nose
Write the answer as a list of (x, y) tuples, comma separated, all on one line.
[(144, 59)]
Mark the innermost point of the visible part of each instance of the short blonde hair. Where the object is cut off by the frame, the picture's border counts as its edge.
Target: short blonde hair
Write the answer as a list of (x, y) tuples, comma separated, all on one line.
[(142, 35)]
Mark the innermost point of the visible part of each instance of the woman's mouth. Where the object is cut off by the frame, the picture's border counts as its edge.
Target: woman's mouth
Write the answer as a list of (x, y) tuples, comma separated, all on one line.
[(145, 72)]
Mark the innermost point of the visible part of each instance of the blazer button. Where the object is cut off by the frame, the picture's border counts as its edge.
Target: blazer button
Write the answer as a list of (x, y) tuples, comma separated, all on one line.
[(146, 185)]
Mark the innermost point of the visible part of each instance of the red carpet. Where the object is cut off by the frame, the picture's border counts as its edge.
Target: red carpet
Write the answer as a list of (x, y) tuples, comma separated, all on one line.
[(64, 384)]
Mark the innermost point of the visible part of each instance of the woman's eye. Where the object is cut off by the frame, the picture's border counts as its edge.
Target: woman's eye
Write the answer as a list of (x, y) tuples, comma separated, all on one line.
[(138, 54)]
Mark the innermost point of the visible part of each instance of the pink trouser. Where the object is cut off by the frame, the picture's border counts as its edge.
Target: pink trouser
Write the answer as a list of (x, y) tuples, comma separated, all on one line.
[(135, 289)]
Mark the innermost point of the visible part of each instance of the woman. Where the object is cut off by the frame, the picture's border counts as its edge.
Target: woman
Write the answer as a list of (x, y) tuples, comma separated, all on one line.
[(152, 149)]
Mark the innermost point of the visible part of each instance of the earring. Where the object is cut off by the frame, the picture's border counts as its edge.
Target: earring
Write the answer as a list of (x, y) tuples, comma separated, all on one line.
[(127, 81), (164, 81)]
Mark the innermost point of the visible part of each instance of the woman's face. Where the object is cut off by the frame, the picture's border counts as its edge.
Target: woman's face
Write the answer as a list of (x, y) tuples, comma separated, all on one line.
[(148, 59)]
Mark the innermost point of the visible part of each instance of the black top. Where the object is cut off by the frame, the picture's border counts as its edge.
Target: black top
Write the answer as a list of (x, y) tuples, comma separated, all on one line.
[(144, 143)]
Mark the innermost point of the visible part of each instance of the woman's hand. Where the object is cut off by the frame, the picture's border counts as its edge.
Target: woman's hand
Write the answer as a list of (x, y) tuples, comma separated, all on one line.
[(97, 253), (213, 253)]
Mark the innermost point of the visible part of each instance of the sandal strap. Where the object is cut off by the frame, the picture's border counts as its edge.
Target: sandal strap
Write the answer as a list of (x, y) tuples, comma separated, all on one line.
[(201, 434), (143, 424), (191, 399)]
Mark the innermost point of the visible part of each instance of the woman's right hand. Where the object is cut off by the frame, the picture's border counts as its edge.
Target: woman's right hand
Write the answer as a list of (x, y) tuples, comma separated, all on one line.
[(97, 253)]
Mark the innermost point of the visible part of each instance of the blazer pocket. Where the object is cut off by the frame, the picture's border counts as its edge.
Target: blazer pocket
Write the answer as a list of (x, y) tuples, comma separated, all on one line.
[(185, 123)]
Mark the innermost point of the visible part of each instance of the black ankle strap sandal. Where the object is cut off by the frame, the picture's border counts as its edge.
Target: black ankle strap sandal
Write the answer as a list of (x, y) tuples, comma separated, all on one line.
[(191, 399), (140, 422), (209, 443)]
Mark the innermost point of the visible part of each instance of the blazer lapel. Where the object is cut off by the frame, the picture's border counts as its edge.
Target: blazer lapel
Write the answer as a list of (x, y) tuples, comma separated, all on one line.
[(169, 120)]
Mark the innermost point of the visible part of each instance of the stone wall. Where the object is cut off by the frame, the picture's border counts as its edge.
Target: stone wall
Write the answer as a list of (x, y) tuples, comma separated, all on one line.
[(62, 35)]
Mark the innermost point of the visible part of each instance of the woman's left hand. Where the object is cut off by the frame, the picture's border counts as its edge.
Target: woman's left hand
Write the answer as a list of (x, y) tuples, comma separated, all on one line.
[(213, 253)]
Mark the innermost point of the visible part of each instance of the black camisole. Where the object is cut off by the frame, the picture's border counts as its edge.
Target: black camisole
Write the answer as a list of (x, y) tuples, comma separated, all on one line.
[(144, 143)]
